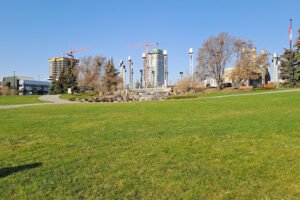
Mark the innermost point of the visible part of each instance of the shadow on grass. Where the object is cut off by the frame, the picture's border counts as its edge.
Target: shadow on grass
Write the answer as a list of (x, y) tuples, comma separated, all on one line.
[(6, 171)]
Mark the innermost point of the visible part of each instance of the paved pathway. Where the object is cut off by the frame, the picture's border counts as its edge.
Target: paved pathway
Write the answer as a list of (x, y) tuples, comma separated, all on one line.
[(52, 99)]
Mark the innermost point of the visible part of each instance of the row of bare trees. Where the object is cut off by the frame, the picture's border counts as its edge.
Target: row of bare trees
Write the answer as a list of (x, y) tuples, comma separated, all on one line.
[(222, 50), (98, 74)]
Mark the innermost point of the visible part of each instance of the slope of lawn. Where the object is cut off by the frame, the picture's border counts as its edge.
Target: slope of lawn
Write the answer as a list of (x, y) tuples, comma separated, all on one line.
[(16, 99), (232, 148), (213, 92)]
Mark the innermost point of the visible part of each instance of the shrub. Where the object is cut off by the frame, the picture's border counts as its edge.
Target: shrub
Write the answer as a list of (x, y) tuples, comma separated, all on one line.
[(187, 96)]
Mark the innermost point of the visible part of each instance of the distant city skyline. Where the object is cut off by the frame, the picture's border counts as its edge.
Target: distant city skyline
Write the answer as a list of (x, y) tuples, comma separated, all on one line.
[(33, 31)]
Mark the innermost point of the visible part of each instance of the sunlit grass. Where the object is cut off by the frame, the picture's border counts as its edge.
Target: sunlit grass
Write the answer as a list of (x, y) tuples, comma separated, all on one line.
[(232, 148), (16, 99)]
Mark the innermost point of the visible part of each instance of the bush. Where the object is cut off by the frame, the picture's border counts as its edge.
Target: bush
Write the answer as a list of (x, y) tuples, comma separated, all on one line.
[(269, 86), (187, 96), (72, 99), (246, 88)]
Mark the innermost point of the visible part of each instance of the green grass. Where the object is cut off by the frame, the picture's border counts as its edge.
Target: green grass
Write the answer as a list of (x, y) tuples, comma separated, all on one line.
[(224, 92), (231, 148), (15, 99)]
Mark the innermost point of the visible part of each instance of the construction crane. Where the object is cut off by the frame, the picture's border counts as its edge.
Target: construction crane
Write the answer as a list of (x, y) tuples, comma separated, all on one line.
[(147, 45), (72, 51)]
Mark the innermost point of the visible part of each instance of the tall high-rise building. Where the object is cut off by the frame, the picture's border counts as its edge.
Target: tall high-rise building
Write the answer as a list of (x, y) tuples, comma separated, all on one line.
[(58, 63), (156, 74)]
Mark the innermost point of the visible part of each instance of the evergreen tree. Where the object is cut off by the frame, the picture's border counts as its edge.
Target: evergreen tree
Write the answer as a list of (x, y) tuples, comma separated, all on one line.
[(137, 84), (70, 78), (297, 58), (111, 76), (67, 79), (297, 44), (288, 71)]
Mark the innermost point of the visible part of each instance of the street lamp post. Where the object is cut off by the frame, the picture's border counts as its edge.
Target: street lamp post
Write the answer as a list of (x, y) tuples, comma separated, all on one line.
[(276, 74), (165, 53), (130, 72), (191, 55), (146, 79), (141, 84), (14, 79), (153, 73), (263, 71)]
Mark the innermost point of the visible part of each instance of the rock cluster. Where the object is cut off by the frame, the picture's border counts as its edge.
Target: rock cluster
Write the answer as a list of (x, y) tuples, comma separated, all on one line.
[(130, 97)]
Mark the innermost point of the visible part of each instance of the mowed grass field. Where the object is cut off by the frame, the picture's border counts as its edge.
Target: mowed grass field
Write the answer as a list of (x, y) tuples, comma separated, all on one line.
[(244, 147), (14, 100)]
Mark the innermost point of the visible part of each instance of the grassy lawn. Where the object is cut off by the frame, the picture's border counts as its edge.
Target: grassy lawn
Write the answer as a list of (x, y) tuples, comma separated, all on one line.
[(213, 92), (232, 148), (15, 99)]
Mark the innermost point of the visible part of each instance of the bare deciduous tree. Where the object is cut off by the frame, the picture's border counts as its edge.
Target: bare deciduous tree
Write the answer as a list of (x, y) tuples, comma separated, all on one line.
[(246, 63), (91, 72), (183, 85), (214, 55), (249, 66)]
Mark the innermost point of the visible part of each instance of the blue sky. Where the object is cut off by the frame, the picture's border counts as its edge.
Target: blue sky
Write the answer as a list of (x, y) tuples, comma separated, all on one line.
[(34, 30)]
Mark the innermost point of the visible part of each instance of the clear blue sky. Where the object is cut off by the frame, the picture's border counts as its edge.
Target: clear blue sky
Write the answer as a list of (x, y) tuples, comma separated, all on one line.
[(34, 30)]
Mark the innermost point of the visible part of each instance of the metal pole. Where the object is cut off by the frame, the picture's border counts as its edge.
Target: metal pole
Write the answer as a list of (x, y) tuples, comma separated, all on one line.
[(153, 79), (275, 64), (291, 34), (130, 73), (181, 74), (124, 77), (165, 54), (191, 53), (291, 54), (141, 84), (14, 79)]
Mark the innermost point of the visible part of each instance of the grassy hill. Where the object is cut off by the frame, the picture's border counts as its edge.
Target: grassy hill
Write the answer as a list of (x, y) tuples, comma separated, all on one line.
[(229, 148)]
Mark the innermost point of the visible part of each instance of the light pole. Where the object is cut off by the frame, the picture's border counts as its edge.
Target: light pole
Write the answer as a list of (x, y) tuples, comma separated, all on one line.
[(275, 64), (165, 53), (263, 71), (181, 74), (145, 70), (130, 72), (123, 73), (14, 79), (141, 84), (153, 73), (191, 55)]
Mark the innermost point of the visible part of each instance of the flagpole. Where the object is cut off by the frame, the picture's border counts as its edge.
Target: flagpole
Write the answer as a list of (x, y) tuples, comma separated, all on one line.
[(291, 32)]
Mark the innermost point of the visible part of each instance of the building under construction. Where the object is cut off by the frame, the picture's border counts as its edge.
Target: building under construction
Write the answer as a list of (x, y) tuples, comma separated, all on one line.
[(156, 68), (57, 64)]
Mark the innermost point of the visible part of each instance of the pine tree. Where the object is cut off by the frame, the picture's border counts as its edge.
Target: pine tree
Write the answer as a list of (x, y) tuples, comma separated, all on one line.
[(110, 77), (297, 58), (70, 78), (137, 84), (297, 44), (288, 71), (66, 79)]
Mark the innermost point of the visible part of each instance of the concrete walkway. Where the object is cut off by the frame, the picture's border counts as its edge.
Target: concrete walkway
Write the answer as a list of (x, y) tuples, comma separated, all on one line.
[(52, 99)]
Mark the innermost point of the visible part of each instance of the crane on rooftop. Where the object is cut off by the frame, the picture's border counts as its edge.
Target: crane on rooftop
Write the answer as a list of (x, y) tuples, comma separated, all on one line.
[(71, 52), (147, 45)]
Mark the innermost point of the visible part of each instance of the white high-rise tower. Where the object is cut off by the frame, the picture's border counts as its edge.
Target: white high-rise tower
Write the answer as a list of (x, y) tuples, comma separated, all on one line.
[(191, 55)]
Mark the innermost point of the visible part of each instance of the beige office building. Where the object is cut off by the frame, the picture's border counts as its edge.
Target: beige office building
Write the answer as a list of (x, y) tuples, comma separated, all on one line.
[(58, 63)]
